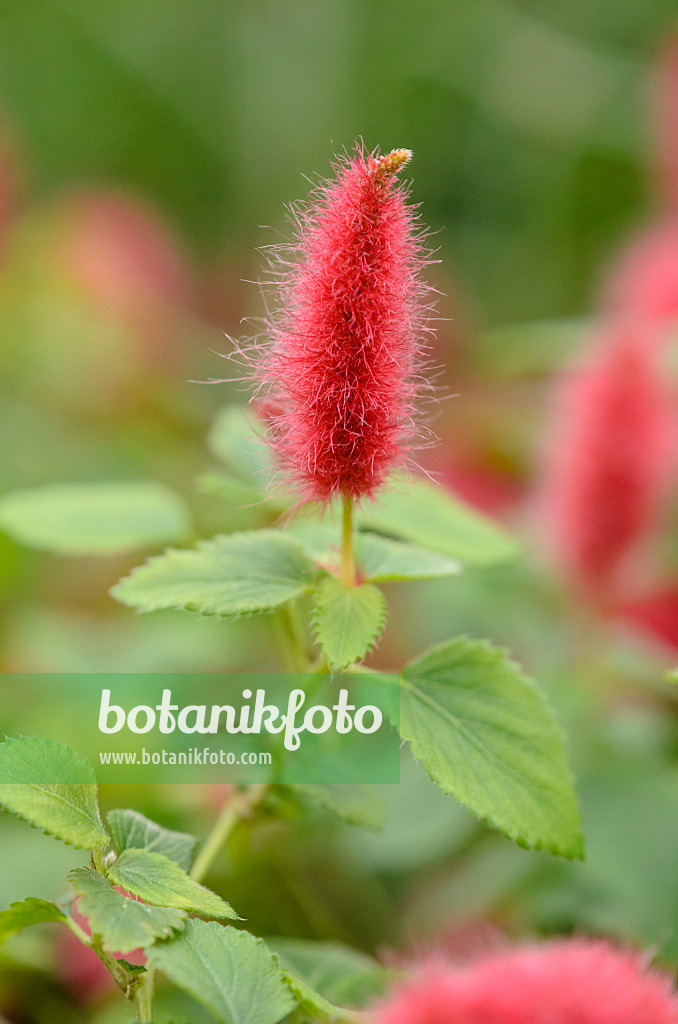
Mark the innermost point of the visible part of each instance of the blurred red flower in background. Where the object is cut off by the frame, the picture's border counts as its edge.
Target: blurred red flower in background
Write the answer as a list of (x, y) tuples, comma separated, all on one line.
[(126, 260), (644, 283), (568, 982), (610, 459)]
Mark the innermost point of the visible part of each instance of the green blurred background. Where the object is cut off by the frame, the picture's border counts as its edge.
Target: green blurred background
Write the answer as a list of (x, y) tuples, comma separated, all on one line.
[(142, 145)]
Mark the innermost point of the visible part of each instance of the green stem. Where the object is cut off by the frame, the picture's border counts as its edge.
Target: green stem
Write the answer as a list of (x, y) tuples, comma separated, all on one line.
[(141, 992), (347, 556), (120, 976), (237, 807), (282, 641), (297, 656), (78, 931), (138, 988)]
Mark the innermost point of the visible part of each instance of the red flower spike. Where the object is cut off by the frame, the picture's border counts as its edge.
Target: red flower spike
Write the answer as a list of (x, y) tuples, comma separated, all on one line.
[(341, 373), (611, 459), (570, 982)]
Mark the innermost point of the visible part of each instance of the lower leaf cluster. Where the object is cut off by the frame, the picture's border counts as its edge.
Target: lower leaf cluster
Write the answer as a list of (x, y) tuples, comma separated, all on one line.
[(140, 896)]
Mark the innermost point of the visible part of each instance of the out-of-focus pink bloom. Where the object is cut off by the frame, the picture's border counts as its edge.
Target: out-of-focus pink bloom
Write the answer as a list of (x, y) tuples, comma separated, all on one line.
[(569, 982), (488, 490), (79, 968), (610, 459), (345, 356), (655, 614), (96, 296), (644, 283), (126, 260)]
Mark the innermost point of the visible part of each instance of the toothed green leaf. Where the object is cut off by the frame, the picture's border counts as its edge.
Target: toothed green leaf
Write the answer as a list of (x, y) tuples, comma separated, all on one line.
[(332, 971), (378, 558), (238, 574), (157, 879), (236, 441), (229, 971), (30, 911), (236, 492), (53, 788), (311, 1005), (354, 803), (382, 559), (427, 514), (347, 620), (485, 735), (123, 923), (94, 519), (129, 829)]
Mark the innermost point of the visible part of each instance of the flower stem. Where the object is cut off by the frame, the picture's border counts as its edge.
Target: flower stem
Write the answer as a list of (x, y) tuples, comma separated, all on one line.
[(347, 556), (138, 988), (237, 807), (143, 995), (292, 642)]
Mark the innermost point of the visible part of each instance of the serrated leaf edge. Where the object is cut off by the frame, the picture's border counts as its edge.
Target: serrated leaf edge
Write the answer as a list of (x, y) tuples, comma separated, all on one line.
[(577, 851), (41, 828), (454, 568), (189, 606), (228, 914), (31, 899), (171, 832), (318, 607), (83, 896)]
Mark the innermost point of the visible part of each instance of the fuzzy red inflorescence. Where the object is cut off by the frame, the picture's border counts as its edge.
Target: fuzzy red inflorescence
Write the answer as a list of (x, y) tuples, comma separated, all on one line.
[(568, 982), (611, 458), (341, 373)]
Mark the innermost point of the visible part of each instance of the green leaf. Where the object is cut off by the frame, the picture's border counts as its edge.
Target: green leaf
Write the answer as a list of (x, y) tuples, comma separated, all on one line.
[(233, 974), (378, 558), (132, 968), (123, 923), (157, 879), (131, 830), (347, 620), (53, 788), (236, 492), (427, 514), (359, 805), (335, 972), (383, 559), (311, 1005), (30, 911), (485, 735), (320, 540), (94, 519), (238, 574), (237, 441)]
